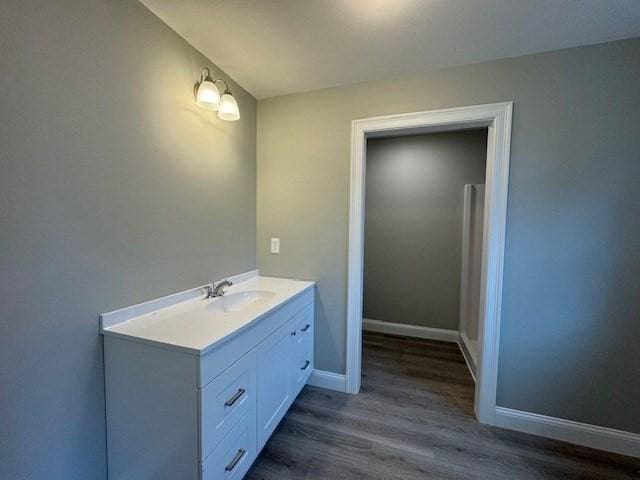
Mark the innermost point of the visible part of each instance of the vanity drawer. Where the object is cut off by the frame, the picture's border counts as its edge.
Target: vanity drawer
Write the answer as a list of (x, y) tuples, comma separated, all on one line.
[(235, 454), (227, 399), (302, 363)]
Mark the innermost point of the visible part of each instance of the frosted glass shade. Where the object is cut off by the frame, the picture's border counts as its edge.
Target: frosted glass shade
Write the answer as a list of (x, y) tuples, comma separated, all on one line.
[(228, 108), (208, 95)]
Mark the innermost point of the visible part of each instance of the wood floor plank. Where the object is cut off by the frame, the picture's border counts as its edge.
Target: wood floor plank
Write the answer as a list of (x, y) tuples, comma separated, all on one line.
[(413, 419)]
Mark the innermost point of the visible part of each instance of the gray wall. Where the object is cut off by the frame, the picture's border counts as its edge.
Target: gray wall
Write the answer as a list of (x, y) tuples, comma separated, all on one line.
[(413, 225), (570, 316), (114, 188)]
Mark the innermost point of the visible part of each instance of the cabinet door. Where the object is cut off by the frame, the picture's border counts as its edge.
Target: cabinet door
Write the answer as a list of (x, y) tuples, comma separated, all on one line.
[(274, 381)]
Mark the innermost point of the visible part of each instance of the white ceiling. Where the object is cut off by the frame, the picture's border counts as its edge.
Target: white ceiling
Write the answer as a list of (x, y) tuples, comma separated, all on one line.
[(275, 47)]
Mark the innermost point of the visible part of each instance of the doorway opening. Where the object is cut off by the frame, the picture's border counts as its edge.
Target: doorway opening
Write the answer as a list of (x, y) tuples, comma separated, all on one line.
[(496, 119), (424, 204)]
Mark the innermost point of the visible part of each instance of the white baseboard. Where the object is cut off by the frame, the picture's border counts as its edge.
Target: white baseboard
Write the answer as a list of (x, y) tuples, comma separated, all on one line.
[(469, 353), (468, 359), (410, 330), (471, 347), (602, 438), (328, 380)]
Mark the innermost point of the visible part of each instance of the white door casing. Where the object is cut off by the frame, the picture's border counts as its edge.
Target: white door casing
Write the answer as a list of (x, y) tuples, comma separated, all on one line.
[(497, 118)]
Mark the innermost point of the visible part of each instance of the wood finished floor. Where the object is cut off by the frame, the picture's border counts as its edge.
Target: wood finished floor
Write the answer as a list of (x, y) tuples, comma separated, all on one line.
[(414, 420)]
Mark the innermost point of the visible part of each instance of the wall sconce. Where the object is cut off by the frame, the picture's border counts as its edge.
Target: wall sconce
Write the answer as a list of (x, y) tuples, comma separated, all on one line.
[(208, 96)]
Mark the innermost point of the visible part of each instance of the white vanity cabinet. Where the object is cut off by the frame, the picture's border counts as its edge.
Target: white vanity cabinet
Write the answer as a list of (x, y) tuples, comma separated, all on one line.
[(179, 414)]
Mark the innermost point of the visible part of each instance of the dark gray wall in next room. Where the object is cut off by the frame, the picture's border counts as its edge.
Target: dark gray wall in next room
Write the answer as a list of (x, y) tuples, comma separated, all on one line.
[(413, 225)]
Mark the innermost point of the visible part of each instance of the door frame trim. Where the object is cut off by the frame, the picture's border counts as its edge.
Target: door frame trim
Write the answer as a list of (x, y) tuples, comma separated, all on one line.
[(497, 117)]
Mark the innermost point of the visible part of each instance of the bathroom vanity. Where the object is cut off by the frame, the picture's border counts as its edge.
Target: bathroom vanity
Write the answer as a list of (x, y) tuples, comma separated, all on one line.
[(196, 386)]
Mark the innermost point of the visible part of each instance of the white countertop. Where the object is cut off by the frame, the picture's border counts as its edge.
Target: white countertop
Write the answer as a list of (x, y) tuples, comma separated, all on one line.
[(197, 325)]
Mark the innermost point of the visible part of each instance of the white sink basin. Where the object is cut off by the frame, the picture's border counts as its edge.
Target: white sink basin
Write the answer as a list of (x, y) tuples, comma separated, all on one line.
[(236, 302)]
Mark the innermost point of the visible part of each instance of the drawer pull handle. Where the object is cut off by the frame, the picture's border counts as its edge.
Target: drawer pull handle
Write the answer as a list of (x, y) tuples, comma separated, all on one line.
[(306, 365), (306, 327), (235, 460), (235, 398)]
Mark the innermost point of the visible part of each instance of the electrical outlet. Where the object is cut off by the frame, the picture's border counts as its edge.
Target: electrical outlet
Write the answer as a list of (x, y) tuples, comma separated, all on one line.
[(275, 245)]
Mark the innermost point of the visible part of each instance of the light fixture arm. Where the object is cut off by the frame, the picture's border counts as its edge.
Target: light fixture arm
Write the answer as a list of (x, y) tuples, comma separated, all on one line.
[(206, 75), (226, 87)]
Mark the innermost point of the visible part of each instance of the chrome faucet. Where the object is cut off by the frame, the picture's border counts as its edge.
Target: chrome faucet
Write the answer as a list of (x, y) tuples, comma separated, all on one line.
[(218, 289)]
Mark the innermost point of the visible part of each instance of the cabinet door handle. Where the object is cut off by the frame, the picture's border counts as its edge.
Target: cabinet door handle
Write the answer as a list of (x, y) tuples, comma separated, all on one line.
[(306, 364), (235, 460), (235, 398), (306, 327)]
